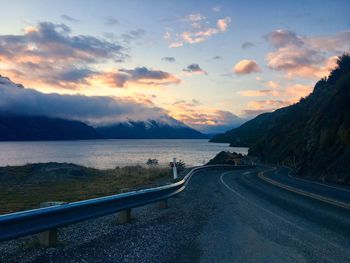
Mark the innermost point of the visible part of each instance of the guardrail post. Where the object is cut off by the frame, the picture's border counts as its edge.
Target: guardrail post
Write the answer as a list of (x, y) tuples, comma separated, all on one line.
[(49, 238), (124, 216), (163, 204)]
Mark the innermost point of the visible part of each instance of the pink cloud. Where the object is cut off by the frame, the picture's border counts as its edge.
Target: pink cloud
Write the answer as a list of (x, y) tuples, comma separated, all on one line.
[(246, 66), (306, 57), (199, 32)]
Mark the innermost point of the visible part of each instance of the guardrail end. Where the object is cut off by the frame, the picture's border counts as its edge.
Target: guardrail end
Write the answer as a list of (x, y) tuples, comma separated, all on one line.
[(124, 216), (163, 204)]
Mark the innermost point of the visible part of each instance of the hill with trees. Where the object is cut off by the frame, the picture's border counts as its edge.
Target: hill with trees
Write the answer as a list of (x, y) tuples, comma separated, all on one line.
[(312, 135)]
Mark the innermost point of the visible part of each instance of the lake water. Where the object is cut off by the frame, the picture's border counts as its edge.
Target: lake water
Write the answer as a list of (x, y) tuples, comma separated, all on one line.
[(111, 153)]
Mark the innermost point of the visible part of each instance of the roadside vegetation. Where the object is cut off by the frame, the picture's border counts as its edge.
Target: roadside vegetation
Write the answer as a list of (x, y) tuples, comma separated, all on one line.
[(231, 158), (25, 187)]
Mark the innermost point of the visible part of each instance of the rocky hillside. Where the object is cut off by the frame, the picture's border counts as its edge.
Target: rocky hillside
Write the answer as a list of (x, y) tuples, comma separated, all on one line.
[(312, 135)]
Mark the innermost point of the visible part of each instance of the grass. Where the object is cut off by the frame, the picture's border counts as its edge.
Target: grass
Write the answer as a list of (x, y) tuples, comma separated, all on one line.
[(25, 187)]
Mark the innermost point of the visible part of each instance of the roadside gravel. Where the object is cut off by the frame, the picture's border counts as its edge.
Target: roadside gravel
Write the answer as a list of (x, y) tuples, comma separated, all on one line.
[(153, 235)]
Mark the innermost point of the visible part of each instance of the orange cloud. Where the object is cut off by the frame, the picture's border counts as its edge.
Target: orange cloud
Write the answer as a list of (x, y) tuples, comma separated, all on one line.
[(258, 93), (246, 66)]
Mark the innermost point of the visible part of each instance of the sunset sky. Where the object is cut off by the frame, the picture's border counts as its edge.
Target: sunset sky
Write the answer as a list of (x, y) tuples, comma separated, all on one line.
[(210, 64)]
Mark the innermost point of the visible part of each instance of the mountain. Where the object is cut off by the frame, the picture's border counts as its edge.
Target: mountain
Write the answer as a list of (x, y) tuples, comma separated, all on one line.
[(32, 128), (150, 129), (41, 128), (312, 135)]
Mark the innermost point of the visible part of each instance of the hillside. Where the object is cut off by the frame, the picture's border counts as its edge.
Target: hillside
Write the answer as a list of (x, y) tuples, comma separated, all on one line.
[(31, 128), (312, 135)]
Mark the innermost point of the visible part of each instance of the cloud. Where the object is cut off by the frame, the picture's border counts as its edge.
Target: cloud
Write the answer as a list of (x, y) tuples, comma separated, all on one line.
[(195, 17), (111, 21), (278, 96), (223, 23), (96, 110), (200, 31), (133, 35), (282, 38), (69, 18), (246, 66), (272, 84), (306, 57), (207, 120), (297, 91), (195, 68), (217, 58), (140, 76), (247, 45), (258, 93), (267, 104), (169, 59), (216, 9), (47, 51)]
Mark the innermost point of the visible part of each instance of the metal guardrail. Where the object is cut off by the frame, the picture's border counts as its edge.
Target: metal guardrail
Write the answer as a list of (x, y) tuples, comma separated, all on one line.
[(42, 219)]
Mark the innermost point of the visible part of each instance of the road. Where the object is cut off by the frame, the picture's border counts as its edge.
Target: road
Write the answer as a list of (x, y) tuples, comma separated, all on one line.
[(222, 216)]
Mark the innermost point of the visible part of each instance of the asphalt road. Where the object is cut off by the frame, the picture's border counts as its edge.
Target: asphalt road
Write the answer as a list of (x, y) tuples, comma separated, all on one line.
[(236, 216)]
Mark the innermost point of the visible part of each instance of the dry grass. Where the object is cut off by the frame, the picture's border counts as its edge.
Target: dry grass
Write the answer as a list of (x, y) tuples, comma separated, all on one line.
[(25, 187)]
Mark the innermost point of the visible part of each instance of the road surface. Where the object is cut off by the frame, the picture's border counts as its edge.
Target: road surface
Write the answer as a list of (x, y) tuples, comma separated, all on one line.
[(222, 216)]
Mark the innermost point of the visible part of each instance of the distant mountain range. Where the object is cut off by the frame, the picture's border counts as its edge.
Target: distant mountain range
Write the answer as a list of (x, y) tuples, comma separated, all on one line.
[(148, 130), (313, 135), (21, 122), (32, 128)]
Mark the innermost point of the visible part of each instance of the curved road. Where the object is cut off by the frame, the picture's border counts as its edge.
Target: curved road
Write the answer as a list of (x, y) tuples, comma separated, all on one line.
[(222, 216)]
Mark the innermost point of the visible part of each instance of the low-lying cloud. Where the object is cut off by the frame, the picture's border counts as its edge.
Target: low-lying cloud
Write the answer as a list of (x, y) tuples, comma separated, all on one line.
[(207, 120), (95, 110)]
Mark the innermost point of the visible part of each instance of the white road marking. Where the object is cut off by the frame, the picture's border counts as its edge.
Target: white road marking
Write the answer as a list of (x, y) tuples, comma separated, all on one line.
[(274, 214)]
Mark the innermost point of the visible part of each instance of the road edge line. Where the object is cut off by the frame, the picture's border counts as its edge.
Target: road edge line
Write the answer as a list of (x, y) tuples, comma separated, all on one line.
[(302, 192)]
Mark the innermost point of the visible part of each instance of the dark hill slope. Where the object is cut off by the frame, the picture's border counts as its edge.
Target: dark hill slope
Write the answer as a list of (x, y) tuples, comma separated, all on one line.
[(312, 135), (27, 128)]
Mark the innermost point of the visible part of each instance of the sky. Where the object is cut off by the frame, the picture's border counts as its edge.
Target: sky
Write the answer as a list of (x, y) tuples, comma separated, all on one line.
[(209, 64)]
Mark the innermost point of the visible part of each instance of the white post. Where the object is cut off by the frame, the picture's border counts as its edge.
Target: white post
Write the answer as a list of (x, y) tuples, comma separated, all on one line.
[(174, 169)]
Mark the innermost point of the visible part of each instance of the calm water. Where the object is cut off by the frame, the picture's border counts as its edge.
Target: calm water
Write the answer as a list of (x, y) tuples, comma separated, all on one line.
[(111, 153)]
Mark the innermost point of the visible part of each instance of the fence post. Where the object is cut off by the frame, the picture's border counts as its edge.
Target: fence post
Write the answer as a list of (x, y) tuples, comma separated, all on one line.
[(174, 169), (48, 238)]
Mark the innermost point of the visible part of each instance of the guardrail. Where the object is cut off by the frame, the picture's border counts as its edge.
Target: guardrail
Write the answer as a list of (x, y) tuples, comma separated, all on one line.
[(47, 219)]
